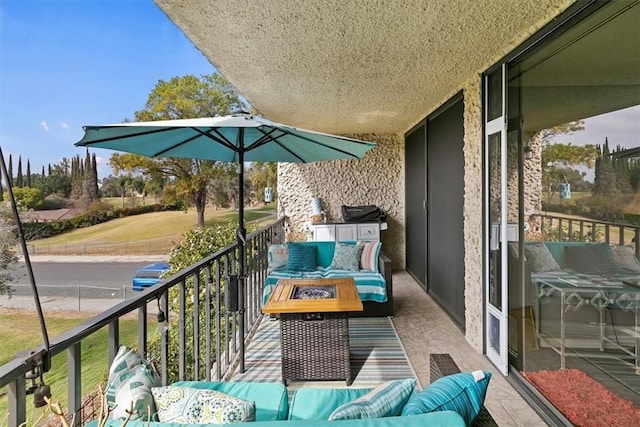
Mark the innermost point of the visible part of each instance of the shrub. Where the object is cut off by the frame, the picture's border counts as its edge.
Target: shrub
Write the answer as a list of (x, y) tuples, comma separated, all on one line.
[(196, 245)]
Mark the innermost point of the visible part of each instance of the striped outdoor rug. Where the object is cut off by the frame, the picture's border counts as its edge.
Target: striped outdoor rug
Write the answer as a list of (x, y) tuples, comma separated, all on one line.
[(377, 355)]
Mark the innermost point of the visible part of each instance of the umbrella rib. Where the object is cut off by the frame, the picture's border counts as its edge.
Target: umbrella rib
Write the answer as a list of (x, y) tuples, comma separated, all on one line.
[(286, 132), (115, 138), (160, 153), (266, 138)]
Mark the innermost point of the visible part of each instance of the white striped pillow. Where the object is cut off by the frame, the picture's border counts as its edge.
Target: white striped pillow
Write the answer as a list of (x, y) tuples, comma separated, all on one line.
[(370, 254)]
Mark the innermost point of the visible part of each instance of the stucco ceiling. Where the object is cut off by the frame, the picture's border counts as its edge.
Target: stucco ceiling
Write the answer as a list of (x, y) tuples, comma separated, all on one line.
[(342, 66)]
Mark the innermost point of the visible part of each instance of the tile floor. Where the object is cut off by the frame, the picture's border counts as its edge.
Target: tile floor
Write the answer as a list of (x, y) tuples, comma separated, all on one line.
[(424, 328)]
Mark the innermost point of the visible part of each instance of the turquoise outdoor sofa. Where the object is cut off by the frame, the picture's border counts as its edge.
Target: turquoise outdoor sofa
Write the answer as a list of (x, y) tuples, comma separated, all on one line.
[(374, 287), (309, 407)]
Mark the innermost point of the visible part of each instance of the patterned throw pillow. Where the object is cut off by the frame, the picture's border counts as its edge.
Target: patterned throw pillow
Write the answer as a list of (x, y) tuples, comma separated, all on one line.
[(302, 257), (386, 400), (370, 254), (277, 257), (199, 406), (129, 385), (539, 258), (463, 393), (346, 257), (625, 257)]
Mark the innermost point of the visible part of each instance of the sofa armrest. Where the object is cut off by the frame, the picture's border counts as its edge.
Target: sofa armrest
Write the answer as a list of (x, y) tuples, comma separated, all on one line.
[(384, 265)]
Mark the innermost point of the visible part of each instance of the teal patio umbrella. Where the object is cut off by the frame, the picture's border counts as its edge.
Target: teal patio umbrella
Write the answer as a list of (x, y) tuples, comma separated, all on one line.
[(236, 138)]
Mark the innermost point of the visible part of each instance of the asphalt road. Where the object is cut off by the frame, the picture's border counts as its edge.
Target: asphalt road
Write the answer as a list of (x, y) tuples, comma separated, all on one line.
[(70, 279)]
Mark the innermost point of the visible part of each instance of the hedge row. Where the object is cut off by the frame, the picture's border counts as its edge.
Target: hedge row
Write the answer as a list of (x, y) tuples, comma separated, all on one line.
[(40, 230)]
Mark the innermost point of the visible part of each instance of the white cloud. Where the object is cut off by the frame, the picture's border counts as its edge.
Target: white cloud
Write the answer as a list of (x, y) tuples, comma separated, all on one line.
[(44, 125), (64, 125)]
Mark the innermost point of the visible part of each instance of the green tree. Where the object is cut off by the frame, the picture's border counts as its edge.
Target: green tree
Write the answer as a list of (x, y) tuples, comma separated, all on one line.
[(557, 157), (28, 182), (19, 181), (263, 174), (27, 197), (58, 180), (196, 245), (10, 170), (605, 177), (8, 241), (90, 180), (183, 98)]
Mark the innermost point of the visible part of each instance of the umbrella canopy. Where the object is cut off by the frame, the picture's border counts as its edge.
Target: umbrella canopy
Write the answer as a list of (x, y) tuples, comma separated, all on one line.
[(235, 138), (224, 138)]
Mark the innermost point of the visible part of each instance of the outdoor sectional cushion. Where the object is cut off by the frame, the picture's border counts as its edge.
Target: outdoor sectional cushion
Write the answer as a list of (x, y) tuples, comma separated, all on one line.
[(386, 400), (190, 405), (463, 392), (319, 403), (371, 286), (435, 419), (271, 398)]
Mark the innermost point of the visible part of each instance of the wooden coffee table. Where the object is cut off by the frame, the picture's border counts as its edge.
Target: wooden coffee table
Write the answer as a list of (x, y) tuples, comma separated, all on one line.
[(314, 327)]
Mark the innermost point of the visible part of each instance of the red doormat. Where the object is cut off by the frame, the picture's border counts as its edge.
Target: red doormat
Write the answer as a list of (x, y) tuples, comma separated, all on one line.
[(584, 401)]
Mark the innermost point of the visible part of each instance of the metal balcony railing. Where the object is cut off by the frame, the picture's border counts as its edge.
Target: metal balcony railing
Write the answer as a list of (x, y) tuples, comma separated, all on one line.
[(565, 228), (202, 340)]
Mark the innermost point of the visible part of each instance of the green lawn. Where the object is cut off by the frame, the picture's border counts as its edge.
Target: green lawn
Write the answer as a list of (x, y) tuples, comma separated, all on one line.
[(148, 234), (19, 331)]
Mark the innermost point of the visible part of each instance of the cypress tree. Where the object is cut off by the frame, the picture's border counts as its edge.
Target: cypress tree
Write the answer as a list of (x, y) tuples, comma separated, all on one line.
[(605, 177), (89, 180), (28, 173), (42, 171), (10, 171), (19, 182)]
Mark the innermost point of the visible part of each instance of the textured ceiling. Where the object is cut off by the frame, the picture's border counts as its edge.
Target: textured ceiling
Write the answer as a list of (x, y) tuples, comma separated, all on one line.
[(341, 66)]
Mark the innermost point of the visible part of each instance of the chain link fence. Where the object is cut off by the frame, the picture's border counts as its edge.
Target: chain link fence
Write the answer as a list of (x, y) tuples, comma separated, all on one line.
[(72, 297), (160, 246)]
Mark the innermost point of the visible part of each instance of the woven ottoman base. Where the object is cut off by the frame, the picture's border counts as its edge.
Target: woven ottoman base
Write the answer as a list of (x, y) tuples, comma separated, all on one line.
[(315, 346)]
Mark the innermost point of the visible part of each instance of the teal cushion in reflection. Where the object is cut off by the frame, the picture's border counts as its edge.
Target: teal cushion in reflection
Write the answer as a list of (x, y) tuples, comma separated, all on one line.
[(463, 393)]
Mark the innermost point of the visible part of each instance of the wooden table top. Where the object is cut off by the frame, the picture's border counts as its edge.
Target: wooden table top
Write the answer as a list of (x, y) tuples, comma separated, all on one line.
[(281, 301)]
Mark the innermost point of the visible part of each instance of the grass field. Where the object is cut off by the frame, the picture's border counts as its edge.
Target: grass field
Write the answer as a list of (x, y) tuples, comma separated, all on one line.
[(146, 234), (19, 331)]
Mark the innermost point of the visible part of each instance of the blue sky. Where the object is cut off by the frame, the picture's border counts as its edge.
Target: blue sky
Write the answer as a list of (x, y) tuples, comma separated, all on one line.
[(69, 63)]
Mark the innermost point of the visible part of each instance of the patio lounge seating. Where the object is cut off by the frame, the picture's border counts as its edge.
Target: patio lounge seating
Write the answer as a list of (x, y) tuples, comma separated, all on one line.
[(374, 287), (309, 406)]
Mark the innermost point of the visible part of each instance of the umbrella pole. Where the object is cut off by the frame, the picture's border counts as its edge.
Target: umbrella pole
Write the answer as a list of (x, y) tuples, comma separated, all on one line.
[(241, 233)]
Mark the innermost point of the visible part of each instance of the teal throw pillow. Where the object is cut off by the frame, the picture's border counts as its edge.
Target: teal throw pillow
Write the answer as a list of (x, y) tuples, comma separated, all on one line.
[(346, 257), (302, 257), (463, 393), (386, 400), (129, 386)]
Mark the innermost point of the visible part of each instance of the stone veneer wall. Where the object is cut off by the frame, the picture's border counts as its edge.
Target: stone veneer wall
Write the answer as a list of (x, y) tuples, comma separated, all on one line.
[(377, 179), (473, 276)]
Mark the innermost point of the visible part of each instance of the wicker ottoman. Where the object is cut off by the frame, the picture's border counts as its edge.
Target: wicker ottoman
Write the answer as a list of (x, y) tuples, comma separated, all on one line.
[(315, 346)]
